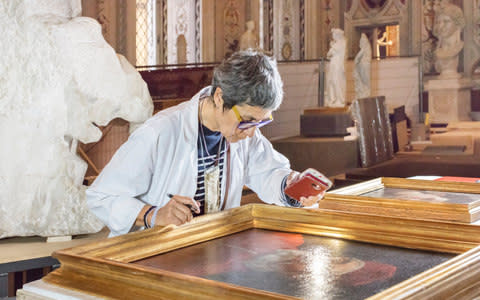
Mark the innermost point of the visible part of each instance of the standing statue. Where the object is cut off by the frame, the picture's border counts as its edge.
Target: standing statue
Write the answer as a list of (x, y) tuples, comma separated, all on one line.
[(59, 80), (361, 74), (449, 23), (249, 38), (336, 85)]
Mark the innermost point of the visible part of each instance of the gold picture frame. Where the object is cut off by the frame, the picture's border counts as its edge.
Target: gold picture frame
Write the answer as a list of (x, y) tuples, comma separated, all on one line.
[(105, 268), (409, 198)]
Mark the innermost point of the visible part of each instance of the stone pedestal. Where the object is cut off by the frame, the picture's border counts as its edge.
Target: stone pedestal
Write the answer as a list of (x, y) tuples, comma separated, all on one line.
[(325, 121), (448, 100)]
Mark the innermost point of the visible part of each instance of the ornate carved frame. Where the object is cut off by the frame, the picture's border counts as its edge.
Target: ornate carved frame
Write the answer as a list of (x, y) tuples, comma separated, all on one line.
[(350, 198), (104, 268)]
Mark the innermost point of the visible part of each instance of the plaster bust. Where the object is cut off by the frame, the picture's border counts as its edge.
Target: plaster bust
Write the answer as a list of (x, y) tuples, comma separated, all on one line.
[(449, 23), (248, 38)]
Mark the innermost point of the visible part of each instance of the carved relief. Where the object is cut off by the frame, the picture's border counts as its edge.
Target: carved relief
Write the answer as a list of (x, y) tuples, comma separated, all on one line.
[(197, 30), (302, 29), (181, 21), (181, 29), (392, 11), (348, 5), (231, 18), (476, 20), (165, 31), (429, 41), (374, 4), (181, 16), (287, 29), (359, 14), (328, 8), (122, 27), (268, 12), (102, 18), (287, 51)]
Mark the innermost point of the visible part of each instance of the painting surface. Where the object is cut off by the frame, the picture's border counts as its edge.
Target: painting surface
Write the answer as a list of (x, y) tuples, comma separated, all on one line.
[(305, 266), (421, 195)]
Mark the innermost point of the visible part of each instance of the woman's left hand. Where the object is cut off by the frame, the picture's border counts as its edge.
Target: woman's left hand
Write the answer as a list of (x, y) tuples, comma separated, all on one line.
[(305, 201), (312, 199)]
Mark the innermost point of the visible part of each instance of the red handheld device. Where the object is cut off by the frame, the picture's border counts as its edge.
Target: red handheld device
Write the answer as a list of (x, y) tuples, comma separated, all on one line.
[(309, 183)]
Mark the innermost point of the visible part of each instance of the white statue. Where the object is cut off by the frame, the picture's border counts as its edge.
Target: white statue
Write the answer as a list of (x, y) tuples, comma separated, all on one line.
[(336, 85), (59, 77), (449, 23), (249, 39), (361, 74)]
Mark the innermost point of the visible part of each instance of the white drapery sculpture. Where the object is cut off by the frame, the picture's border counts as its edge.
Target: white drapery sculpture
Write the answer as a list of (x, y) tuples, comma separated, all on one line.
[(361, 73), (336, 85), (249, 39), (449, 23), (58, 77)]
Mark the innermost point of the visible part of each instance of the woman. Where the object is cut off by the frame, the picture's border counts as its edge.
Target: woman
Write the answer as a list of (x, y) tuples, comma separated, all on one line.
[(197, 156)]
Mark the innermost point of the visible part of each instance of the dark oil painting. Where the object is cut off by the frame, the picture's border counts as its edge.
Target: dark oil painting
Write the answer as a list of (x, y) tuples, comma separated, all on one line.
[(425, 196), (305, 266)]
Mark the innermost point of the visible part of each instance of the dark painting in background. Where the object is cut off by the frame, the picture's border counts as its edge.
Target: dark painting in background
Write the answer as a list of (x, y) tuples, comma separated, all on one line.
[(374, 130), (309, 267)]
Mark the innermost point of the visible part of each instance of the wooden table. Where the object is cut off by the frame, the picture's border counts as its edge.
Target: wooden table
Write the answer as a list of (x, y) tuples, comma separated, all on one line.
[(19, 254)]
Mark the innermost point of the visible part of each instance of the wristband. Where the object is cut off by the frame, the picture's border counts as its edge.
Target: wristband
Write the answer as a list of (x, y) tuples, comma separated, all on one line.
[(146, 215), (154, 217)]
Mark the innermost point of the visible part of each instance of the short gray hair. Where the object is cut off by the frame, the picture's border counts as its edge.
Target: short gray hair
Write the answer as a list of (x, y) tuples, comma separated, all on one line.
[(249, 77)]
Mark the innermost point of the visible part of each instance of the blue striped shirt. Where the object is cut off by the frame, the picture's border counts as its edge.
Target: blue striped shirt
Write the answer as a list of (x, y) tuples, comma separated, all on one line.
[(206, 159)]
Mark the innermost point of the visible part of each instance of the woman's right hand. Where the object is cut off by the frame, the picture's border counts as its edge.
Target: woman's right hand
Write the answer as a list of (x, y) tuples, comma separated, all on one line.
[(177, 211)]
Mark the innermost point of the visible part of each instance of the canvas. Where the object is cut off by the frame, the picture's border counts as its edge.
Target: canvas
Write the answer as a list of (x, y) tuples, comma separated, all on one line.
[(300, 265)]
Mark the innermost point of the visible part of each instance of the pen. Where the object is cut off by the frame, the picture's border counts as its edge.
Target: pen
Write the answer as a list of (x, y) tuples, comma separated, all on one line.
[(193, 207)]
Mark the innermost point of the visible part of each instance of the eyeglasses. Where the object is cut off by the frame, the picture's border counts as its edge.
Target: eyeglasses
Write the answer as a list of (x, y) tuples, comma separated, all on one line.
[(243, 125)]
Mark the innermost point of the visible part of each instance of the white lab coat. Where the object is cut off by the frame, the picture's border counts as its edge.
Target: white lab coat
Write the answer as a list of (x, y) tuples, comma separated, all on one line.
[(160, 157)]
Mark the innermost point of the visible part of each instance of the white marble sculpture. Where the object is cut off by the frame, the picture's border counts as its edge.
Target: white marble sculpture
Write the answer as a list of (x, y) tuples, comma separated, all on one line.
[(449, 23), (336, 86), (58, 78), (361, 73), (249, 39)]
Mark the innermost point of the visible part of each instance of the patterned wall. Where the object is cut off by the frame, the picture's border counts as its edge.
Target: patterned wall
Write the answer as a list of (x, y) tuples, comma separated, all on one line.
[(181, 21), (365, 16), (286, 24), (283, 21), (232, 27)]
